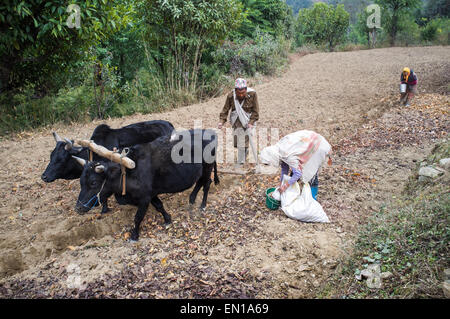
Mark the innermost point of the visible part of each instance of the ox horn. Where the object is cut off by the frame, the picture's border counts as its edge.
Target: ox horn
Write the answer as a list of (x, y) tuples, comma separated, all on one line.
[(99, 169), (81, 161), (69, 144), (57, 137)]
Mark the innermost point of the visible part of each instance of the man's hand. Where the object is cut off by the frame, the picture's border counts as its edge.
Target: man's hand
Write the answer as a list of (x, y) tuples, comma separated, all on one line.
[(250, 125), (220, 126)]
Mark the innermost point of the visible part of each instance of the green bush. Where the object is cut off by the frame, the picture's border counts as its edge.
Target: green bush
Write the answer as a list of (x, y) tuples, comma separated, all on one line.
[(264, 55), (213, 81), (436, 31), (354, 35), (409, 33), (429, 32), (322, 24), (23, 110)]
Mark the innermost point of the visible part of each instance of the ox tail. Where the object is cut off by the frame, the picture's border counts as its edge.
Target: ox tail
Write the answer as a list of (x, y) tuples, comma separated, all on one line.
[(216, 177)]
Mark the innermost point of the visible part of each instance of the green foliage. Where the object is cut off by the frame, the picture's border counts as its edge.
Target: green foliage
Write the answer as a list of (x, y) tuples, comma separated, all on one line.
[(126, 50), (177, 33), (269, 16), (356, 36), (27, 111), (436, 30), (322, 24), (128, 56), (393, 15), (409, 31), (263, 55), (429, 32), (36, 42)]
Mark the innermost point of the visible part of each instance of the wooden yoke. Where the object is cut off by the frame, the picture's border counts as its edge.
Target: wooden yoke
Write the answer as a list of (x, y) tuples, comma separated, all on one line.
[(104, 152)]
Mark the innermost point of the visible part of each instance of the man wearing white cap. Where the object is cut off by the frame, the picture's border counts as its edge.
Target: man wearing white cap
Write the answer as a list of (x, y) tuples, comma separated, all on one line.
[(244, 107)]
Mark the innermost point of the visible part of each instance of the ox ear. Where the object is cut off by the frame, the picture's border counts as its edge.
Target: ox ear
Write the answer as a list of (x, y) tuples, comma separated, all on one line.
[(57, 137), (99, 169), (81, 161)]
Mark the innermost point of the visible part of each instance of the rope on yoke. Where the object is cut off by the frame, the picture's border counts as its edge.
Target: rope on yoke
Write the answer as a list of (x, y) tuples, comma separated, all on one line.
[(115, 150), (123, 169), (91, 154)]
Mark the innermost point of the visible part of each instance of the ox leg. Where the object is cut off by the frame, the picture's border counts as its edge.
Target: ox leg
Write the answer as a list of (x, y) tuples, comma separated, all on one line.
[(105, 208), (157, 203), (206, 184), (142, 209), (204, 180), (104, 203), (194, 193), (206, 187)]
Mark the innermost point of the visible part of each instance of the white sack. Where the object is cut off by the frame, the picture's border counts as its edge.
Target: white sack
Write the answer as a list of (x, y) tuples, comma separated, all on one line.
[(301, 205)]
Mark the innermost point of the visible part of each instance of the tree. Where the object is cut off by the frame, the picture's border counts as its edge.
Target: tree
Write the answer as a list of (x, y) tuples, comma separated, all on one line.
[(323, 24), (362, 27), (269, 16), (395, 9), (36, 42), (178, 31)]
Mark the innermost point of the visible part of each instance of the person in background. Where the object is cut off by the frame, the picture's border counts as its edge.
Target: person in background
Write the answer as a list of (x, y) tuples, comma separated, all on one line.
[(244, 107), (409, 78)]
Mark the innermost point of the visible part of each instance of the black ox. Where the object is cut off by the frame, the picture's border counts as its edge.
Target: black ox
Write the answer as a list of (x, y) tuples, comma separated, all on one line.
[(63, 166), (158, 170)]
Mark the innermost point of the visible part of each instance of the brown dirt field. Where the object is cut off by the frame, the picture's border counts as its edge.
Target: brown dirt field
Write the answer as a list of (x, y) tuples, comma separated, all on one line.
[(237, 247)]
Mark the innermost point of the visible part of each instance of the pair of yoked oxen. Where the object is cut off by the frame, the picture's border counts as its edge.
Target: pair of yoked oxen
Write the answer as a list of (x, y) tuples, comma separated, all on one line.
[(152, 145)]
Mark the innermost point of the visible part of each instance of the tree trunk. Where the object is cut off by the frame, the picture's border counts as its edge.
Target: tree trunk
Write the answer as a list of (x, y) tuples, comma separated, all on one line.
[(196, 65), (121, 64), (373, 38), (394, 28), (98, 82), (4, 78)]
